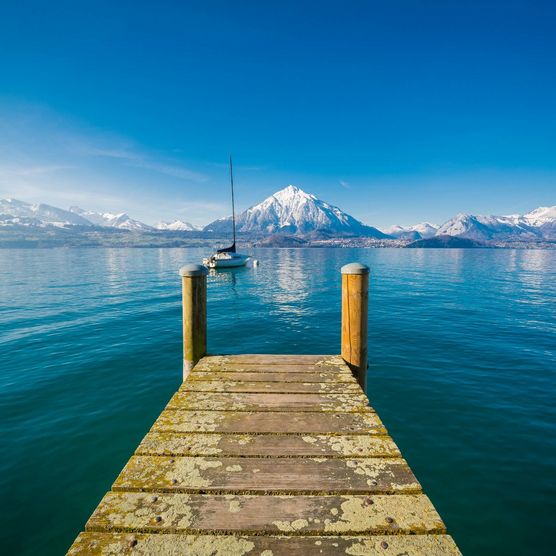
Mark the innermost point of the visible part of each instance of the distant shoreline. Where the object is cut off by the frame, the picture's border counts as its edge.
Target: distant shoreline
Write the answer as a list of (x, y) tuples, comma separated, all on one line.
[(60, 238)]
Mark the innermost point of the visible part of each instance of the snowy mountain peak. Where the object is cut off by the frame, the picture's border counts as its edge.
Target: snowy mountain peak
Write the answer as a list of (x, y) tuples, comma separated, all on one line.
[(110, 220), (14, 212), (423, 230), (291, 193), (176, 226), (541, 215), (294, 211)]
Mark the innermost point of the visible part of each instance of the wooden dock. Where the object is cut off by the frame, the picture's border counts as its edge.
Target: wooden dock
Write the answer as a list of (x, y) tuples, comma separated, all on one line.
[(271, 455)]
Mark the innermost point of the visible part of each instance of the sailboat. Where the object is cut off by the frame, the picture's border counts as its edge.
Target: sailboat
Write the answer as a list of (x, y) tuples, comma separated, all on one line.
[(228, 257)]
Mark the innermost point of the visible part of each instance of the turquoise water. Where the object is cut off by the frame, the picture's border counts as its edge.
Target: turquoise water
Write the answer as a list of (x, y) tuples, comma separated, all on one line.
[(463, 364)]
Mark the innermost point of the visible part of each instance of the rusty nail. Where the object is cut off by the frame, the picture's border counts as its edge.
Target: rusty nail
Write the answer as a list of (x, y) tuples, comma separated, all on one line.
[(384, 544)]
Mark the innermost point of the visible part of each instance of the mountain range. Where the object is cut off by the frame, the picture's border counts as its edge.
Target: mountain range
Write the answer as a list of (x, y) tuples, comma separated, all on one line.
[(289, 212), (538, 224), (14, 213), (121, 221)]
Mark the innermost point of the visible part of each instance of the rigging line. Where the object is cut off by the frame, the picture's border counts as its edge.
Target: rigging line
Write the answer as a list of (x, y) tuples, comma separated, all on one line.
[(233, 204)]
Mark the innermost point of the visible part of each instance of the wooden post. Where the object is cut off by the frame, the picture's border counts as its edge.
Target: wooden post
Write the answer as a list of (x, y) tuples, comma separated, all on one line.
[(355, 302), (194, 291)]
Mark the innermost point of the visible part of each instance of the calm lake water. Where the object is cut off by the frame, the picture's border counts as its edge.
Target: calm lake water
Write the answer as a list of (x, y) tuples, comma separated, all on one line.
[(463, 366)]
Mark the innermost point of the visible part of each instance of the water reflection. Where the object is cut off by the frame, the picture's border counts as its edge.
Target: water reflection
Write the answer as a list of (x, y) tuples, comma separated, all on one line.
[(292, 282), (227, 277)]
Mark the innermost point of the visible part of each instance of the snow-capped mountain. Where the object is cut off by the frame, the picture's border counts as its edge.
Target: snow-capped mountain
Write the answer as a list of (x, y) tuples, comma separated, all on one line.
[(293, 211), (121, 221), (541, 216), (485, 228), (538, 224), (19, 213), (176, 226), (423, 230), (544, 219)]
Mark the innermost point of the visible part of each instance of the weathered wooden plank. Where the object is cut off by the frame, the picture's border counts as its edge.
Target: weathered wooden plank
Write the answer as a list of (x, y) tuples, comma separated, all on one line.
[(270, 359), (270, 445), (267, 475), (177, 420), (218, 385), (270, 368), (217, 401), (201, 513), (246, 376), (145, 544)]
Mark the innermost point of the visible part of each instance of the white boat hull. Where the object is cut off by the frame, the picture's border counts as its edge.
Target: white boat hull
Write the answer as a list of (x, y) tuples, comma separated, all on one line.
[(226, 260)]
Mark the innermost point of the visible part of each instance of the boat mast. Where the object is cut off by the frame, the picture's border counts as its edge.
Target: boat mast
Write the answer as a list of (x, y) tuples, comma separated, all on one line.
[(233, 206)]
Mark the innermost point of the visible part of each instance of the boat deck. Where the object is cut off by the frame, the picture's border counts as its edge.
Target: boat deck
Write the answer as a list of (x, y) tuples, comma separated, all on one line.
[(272, 455)]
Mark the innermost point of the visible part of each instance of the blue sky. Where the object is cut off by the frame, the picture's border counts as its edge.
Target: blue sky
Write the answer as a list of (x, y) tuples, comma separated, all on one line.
[(396, 111)]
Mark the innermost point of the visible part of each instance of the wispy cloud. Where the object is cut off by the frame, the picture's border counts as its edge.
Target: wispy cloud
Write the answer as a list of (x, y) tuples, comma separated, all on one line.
[(137, 159), (344, 184), (7, 172), (170, 170)]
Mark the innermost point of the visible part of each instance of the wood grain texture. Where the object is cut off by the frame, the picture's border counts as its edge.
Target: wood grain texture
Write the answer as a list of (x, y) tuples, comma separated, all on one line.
[(223, 385), (333, 367), (179, 421), (216, 401), (271, 359), (200, 513), (145, 544), (267, 475), (267, 445), (328, 377)]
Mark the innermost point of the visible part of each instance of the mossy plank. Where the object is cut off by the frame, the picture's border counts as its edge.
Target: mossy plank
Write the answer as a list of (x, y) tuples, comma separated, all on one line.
[(219, 385), (265, 475), (247, 376), (271, 359), (269, 445), (201, 513), (298, 422), (266, 364), (269, 368), (217, 401), (145, 544)]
